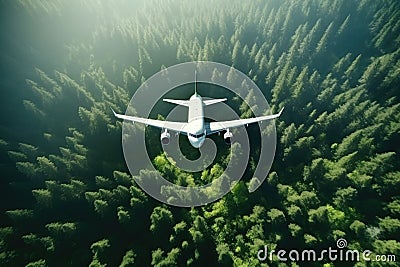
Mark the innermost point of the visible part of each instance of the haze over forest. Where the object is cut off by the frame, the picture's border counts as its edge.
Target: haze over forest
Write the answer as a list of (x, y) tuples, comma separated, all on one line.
[(67, 197)]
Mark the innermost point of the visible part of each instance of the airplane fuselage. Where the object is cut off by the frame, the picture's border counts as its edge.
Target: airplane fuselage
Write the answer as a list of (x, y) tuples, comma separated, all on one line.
[(196, 127)]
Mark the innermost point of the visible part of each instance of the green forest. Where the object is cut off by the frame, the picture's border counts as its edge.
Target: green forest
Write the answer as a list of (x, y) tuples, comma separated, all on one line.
[(67, 197)]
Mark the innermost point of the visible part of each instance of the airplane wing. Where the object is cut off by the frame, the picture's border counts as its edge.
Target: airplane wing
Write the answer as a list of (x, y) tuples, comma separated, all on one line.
[(214, 127), (169, 125)]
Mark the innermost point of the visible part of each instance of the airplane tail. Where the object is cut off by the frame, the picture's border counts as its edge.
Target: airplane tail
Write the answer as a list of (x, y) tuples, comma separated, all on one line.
[(195, 82)]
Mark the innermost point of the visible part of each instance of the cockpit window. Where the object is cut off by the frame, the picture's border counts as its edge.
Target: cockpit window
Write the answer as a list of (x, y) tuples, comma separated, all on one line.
[(197, 135)]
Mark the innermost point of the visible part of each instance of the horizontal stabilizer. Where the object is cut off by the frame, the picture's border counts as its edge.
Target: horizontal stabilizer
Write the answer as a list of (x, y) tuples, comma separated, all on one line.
[(213, 101), (177, 102)]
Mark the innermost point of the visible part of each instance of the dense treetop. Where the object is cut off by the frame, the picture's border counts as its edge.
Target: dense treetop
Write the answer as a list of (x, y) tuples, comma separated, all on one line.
[(67, 196)]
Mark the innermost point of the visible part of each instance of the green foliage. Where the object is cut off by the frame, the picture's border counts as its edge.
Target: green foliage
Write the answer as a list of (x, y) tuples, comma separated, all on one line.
[(295, 229), (309, 239), (358, 227), (20, 215), (389, 226), (62, 228), (170, 260), (39, 263), (129, 259), (333, 65), (160, 218), (100, 246), (224, 255), (122, 178), (123, 216), (276, 216), (101, 206), (387, 247), (43, 197), (99, 250)]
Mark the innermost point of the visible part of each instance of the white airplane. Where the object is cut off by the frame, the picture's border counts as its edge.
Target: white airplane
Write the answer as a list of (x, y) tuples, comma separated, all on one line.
[(196, 128)]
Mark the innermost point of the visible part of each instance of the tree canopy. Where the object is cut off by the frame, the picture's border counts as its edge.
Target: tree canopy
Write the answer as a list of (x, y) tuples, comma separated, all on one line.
[(68, 198)]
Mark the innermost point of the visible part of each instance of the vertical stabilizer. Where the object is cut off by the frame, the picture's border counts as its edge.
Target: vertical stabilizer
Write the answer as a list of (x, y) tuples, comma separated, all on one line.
[(195, 82)]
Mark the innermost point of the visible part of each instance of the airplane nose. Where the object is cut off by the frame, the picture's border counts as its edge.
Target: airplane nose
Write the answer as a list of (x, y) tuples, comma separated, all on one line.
[(197, 143)]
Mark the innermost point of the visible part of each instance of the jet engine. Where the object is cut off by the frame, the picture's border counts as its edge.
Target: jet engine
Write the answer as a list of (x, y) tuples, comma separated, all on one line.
[(165, 138), (228, 137)]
